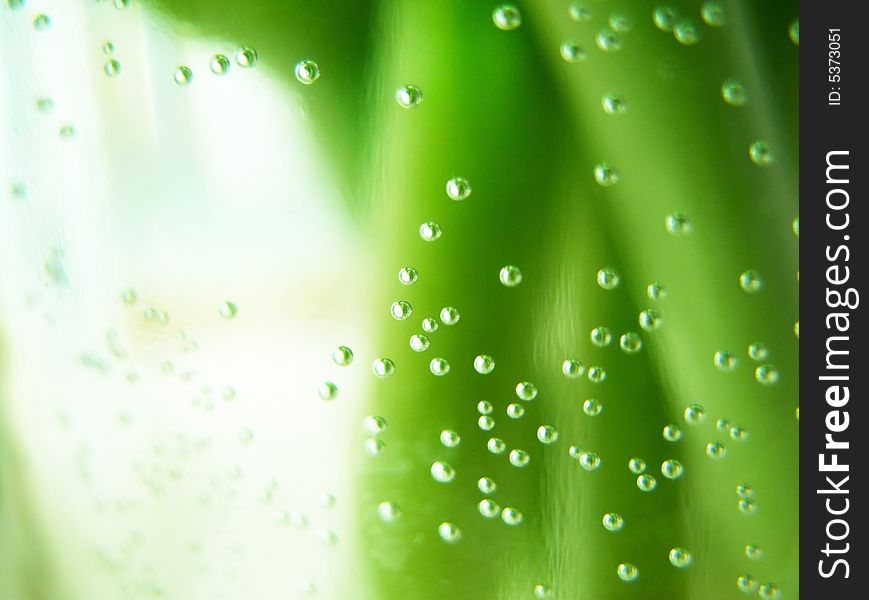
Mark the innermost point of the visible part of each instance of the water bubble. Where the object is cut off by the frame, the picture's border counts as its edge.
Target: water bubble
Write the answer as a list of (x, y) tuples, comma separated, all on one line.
[(449, 532), (650, 319), (486, 485), (515, 410), (449, 315), (383, 367), (753, 552), (572, 368), (374, 446), (738, 434), (746, 583), (183, 75), (408, 275), (637, 465), (589, 460), (743, 490), (608, 278), (794, 32), (507, 17), (458, 188), (579, 13), (716, 450), (228, 310), (496, 445), (686, 32), (484, 407), (592, 407), (722, 424), (442, 472), (601, 336), (761, 153), (768, 591), (439, 367), (596, 374), (627, 572), (630, 342), (486, 423), (450, 438), (766, 374), (389, 512), (758, 351), (246, 57), (484, 364), (547, 434), (374, 425), (665, 18), (733, 92), (519, 458), (429, 325), (112, 68), (219, 64), (671, 469), (419, 342), (678, 224), (646, 482), (342, 356), (488, 508), (695, 414), (328, 390), (510, 276), (614, 105), (542, 592), (306, 72), (747, 506), (41, 22), (573, 452), (605, 174), (680, 557), (511, 516), (400, 310), (613, 522), (672, 433), (608, 40), (724, 360), (572, 52), (525, 390)]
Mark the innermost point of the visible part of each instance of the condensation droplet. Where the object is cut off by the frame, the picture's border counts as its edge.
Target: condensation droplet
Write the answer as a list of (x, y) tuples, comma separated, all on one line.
[(519, 458), (383, 367), (219, 64), (228, 310), (766, 374), (601, 336), (342, 356), (389, 512), (627, 572), (613, 522), (419, 342), (511, 516), (328, 391), (450, 438), (486, 423), (246, 57), (646, 482), (306, 72), (510, 276), (515, 410), (592, 407), (746, 583), (733, 92), (680, 557), (572, 52), (449, 532), (442, 472), (429, 325), (484, 364), (547, 434), (724, 360), (458, 188), (713, 14), (374, 425), (608, 278), (488, 508), (400, 310), (761, 154), (486, 485), (525, 390), (596, 374), (614, 105), (665, 17), (750, 281), (430, 231), (678, 224), (650, 319), (672, 469), (636, 465), (605, 174), (507, 17), (671, 433), (589, 460), (449, 315), (694, 414), (686, 32), (439, 366), (183, 76), (608, 40), (112, 68), (630, 342), (408, 96), (496, 445), (716, 450), (572, 368), (794, 32)]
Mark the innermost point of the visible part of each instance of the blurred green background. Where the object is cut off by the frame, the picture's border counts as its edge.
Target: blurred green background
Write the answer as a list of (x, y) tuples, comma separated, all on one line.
[(153, 445)]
